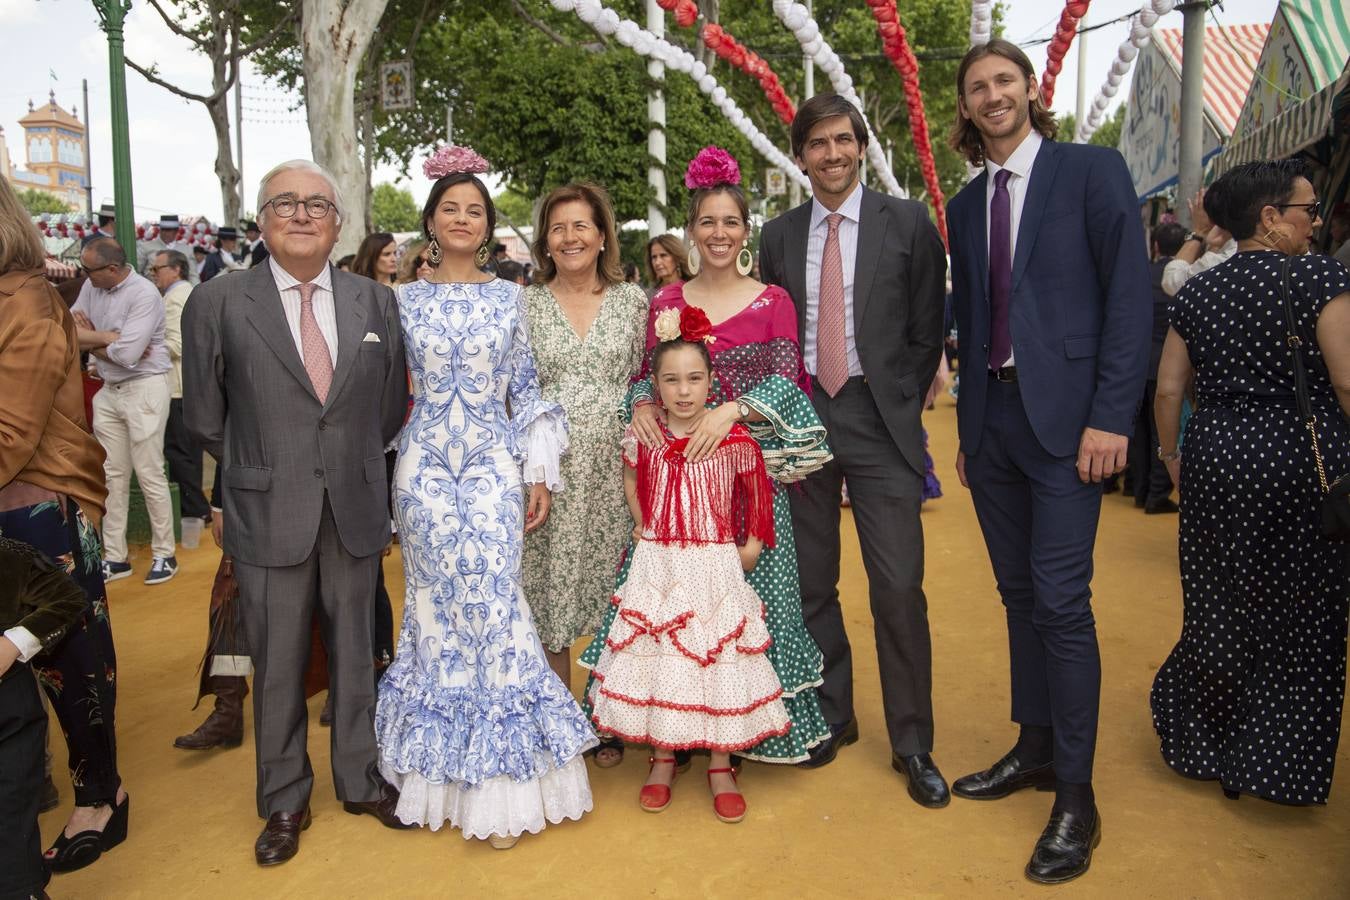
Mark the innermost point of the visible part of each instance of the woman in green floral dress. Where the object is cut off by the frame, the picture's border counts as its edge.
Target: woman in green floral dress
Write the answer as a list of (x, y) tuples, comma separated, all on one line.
[(586, 328), (761, 382)]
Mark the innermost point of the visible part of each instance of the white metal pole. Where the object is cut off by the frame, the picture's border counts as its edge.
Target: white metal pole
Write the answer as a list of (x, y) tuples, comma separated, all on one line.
[(656, 135)]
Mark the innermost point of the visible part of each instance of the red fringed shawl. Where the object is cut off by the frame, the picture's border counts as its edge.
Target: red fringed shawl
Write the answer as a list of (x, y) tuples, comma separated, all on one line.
[(721, 500)]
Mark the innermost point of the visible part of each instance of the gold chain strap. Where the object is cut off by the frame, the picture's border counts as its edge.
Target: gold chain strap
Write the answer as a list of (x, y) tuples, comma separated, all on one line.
[(1317, 454)]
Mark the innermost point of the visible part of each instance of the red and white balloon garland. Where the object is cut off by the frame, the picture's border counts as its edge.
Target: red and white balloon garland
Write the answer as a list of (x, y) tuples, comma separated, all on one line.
[(607, 22), (797, 19), (1074, 10), (721, 42), (1141, 26), (901, 55)]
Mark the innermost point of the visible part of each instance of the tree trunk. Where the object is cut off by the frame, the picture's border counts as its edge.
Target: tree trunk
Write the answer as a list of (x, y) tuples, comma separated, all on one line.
[(333, 40), (226, 170)]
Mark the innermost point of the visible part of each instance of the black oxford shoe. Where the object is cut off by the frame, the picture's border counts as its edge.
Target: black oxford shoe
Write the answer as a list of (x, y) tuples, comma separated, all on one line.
[(1004, 777), (1065, 849), (927, 787), (823, 754)]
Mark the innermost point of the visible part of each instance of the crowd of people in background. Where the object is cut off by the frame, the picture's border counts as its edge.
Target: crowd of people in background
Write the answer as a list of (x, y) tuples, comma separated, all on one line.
[(563, 447)]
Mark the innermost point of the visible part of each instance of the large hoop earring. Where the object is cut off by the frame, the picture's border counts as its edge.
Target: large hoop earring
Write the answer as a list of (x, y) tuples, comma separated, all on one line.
[(693, 263), (744, 260), (481, 257), (434, 252)]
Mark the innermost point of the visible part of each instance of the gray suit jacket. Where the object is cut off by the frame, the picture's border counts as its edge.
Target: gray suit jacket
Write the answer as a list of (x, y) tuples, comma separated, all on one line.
[(898, 290), (248, 399)]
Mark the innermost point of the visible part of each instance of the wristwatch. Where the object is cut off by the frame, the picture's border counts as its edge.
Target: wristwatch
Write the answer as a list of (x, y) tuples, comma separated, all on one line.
[(1195, 236), (744, 409)]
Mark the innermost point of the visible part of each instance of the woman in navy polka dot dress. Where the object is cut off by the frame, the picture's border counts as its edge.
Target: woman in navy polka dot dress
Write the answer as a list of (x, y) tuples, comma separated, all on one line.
[(1251, 695)]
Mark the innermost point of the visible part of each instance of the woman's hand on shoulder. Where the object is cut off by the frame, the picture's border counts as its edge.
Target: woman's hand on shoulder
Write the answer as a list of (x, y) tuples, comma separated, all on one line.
[(647, 424), (711, 430)]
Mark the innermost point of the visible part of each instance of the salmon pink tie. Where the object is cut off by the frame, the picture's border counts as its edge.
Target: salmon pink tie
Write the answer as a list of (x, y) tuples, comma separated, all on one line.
[(318, 362), (831, 352)]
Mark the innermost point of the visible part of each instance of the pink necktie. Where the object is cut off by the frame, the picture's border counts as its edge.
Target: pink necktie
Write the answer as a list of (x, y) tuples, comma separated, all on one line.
[(318, 363), (831, 352)]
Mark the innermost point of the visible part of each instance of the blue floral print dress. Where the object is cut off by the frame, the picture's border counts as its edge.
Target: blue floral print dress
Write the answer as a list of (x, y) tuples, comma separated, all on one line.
[(474, 728)]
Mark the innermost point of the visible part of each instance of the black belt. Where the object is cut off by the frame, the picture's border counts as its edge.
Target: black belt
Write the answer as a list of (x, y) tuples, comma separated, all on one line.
[(1007, 374)]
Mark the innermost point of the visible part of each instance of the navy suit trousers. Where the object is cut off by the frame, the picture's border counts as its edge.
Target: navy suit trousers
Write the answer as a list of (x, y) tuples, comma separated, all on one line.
[(1040, 523)]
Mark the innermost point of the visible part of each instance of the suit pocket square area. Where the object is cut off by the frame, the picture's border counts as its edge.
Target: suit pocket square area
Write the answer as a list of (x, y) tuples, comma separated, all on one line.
[(370, 338)]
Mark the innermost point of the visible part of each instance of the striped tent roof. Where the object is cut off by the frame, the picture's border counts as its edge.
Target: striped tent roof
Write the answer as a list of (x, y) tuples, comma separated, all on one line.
[(1231, 55)]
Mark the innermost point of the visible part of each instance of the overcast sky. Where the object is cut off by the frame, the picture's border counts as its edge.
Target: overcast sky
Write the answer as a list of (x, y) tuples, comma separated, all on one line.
[(172, 144)]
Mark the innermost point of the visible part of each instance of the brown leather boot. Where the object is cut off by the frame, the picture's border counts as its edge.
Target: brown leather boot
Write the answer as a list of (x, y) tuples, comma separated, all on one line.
[(225, 726)]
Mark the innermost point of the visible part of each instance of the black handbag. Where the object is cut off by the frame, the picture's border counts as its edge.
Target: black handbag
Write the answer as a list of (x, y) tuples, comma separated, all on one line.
[(1335, 493)]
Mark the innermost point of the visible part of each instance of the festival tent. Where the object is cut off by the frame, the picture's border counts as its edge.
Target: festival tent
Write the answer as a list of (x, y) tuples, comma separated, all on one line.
[(1151, 137), (1299, 104)]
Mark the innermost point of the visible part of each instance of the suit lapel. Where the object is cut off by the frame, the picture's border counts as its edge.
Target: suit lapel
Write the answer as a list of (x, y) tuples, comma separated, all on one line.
[(268, 318), (871, 238), (350, 313), (794, 263), (1038, 192)]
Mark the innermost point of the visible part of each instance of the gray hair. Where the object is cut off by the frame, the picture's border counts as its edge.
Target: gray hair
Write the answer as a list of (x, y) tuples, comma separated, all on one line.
[(304, 165), (105, 251), (177, 260)]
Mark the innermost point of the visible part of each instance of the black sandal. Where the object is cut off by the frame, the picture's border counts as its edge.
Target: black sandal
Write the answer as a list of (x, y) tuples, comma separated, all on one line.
[(68, 854), (614, 744)]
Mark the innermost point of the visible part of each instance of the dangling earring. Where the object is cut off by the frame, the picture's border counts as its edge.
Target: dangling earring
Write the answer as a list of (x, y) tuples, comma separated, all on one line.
[(481, 257), (693, 263), (434, 252), (744, 260)]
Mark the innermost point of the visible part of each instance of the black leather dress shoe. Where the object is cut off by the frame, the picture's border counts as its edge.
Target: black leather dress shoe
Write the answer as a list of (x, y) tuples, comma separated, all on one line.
[(1065, 849), (823, 754), (927, 787), (382, 809), (280, 838), (1004, 777)]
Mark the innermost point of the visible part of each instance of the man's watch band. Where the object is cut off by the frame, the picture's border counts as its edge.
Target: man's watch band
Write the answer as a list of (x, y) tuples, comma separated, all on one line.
[(1195, 236)]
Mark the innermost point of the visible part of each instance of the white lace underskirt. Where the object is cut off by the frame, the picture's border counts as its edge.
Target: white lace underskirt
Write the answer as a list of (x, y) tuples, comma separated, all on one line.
[(499, 805)]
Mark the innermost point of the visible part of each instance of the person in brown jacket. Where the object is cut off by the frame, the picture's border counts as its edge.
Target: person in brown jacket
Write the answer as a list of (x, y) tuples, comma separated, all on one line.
[(52, 498)]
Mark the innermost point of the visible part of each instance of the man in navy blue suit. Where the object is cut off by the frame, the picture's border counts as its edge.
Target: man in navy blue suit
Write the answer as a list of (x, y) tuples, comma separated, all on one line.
[(1051, 287)]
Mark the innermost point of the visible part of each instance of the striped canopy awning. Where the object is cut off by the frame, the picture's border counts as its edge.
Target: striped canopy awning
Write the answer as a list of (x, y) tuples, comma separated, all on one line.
[(1296, 128), (1231, 54)]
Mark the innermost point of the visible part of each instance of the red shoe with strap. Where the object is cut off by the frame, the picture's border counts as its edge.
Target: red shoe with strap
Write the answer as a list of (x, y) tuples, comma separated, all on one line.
[(654, 798), (729, 805)]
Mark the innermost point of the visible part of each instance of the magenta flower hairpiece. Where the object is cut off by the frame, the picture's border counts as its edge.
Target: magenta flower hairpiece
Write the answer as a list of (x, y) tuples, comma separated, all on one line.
[(450, 159), (710, 167)]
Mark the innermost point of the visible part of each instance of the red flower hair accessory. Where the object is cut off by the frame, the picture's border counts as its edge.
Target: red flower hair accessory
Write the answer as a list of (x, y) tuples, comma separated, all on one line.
[(710, 167), (690, 324), (453, 160)]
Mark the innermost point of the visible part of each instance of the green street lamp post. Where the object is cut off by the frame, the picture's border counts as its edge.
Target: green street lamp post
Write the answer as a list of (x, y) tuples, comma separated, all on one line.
[(113, 13)]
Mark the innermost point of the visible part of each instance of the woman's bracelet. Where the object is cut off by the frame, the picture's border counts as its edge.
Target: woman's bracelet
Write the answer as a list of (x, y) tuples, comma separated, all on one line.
[(1168, 457)]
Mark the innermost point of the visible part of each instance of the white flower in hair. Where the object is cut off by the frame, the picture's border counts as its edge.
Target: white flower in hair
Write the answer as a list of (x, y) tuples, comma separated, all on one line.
[(667, 324)]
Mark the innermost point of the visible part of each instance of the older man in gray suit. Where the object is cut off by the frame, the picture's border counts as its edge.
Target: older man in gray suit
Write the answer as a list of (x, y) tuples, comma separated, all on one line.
[(294, 381), (866, 273)]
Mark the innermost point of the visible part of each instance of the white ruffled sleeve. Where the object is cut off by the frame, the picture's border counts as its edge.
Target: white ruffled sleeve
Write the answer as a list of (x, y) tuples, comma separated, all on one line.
[(545, 443), (539, 426)]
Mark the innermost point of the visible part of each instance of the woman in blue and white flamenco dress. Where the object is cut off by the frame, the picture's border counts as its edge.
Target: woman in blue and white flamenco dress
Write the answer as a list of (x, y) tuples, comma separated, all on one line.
[(473, 726)]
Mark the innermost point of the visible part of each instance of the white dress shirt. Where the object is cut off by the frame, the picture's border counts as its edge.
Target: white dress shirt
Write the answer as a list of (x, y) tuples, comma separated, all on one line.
[(135, 310), (1019, 166), (1178, 271), (850, 209), (288, 286)]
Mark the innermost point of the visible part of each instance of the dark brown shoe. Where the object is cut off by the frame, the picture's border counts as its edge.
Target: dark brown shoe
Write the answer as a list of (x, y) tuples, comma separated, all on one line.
[(280, 838), (382, 809), (225, 726)]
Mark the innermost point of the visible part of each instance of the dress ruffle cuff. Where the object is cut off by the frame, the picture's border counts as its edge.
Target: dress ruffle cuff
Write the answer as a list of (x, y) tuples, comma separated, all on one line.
[(544, 444)]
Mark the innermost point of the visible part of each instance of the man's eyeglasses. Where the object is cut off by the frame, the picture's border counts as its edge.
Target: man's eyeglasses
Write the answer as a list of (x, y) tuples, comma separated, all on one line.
[(88, 271), (1314, 208), (285, 207)]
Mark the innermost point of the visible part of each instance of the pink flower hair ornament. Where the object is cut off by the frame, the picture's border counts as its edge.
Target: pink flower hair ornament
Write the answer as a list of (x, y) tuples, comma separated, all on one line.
[(710, 167), (450, 159)]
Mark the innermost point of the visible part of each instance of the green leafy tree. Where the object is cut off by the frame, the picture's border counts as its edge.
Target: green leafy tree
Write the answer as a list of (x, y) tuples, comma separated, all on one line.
[(1106, 135), (39, 202), (393, 209)]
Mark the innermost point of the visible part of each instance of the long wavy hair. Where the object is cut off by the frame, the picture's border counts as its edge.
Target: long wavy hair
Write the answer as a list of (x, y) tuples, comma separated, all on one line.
[(675, 247), (964, 137), (21, 247)]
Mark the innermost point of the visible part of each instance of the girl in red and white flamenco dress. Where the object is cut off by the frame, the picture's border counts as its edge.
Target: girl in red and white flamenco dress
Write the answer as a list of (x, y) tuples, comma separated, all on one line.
[(684, 665)]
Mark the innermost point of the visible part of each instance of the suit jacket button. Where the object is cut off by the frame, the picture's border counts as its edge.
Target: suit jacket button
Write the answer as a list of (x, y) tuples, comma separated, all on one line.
[(323, 425), (318, 473)]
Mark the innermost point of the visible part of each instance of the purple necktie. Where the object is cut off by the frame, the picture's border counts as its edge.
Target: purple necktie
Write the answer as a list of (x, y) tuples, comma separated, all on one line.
[(1000, 271)]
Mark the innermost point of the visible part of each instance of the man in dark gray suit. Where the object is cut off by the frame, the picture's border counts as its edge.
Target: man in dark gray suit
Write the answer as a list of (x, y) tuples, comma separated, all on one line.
[(866, 272), (294, 381)]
